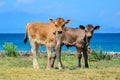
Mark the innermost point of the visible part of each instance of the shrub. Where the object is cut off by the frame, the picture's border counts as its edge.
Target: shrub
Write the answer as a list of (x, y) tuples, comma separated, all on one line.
[(99, 55), (10, 49)]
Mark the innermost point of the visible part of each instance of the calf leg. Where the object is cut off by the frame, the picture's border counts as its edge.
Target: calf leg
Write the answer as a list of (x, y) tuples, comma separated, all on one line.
[(53, 59), (79, 59), (34, 51), (57, 51), (79, 55), (49, 57), (58, 55), (85, 57)]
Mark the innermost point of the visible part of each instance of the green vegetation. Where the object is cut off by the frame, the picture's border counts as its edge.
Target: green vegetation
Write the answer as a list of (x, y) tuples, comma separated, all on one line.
[(20, 68), (99, 55), (10, 49)]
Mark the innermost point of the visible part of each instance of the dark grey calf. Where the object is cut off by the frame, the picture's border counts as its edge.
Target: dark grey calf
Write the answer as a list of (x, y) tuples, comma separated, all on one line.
[(80, 38)]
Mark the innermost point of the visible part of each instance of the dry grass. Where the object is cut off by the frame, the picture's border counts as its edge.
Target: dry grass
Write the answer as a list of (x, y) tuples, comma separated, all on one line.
[(21, 73), (12, 68)]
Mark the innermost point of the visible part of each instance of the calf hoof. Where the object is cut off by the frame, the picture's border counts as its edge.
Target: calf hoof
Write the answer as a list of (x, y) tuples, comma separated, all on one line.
[(60, 68), (36, 66), (49, 68), (87, 66), (52, 66), (79, 66)]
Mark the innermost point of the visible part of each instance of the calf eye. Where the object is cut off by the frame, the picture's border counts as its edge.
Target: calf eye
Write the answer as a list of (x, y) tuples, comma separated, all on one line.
[(56, 25), (54, 33), (85, 30)]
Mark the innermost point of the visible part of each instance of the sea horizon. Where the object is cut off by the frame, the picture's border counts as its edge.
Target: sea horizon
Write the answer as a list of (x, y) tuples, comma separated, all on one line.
[(100, 41)]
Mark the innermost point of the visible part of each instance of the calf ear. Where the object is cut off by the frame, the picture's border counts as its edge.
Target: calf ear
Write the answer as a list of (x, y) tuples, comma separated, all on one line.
[(67, 21), (81, 27), (51, 20), (96, 27)]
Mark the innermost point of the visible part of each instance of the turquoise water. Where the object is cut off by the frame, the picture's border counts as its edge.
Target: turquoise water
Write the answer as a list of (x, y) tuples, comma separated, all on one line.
[(107, 42)]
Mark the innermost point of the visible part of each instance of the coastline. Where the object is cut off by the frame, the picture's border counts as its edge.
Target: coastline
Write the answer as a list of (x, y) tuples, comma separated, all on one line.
[(27, 53)]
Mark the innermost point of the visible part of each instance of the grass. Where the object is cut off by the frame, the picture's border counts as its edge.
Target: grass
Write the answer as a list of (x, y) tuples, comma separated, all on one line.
[(20, 68)]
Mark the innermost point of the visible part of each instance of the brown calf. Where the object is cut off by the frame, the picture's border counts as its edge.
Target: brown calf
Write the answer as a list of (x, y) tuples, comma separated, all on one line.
[(80, 38), (41, 33)]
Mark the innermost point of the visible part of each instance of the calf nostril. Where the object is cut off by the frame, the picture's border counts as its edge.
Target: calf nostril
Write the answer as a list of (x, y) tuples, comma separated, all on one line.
[(59, 32)]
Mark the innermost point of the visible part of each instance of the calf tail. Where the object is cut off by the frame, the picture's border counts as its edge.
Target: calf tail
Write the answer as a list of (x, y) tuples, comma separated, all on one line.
[(26, 37)]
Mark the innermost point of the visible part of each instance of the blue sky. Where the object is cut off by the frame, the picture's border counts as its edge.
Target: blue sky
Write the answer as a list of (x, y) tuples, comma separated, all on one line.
[(15, 14)]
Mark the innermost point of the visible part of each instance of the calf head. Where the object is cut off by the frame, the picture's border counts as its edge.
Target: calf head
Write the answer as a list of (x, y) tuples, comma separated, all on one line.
[(89, 29), (59, 24)]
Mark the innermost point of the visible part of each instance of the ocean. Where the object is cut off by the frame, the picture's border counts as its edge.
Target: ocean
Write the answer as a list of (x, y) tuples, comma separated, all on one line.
[(99, 41)]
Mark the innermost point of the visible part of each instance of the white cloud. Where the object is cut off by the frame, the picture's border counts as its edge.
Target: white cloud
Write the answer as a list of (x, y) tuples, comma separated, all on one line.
[(2, 4), (25, 1), (118, 13), (38, 6)]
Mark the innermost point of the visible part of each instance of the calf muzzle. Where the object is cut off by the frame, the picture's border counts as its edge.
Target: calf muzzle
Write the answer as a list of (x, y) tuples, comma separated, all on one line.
[(59, 32)]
